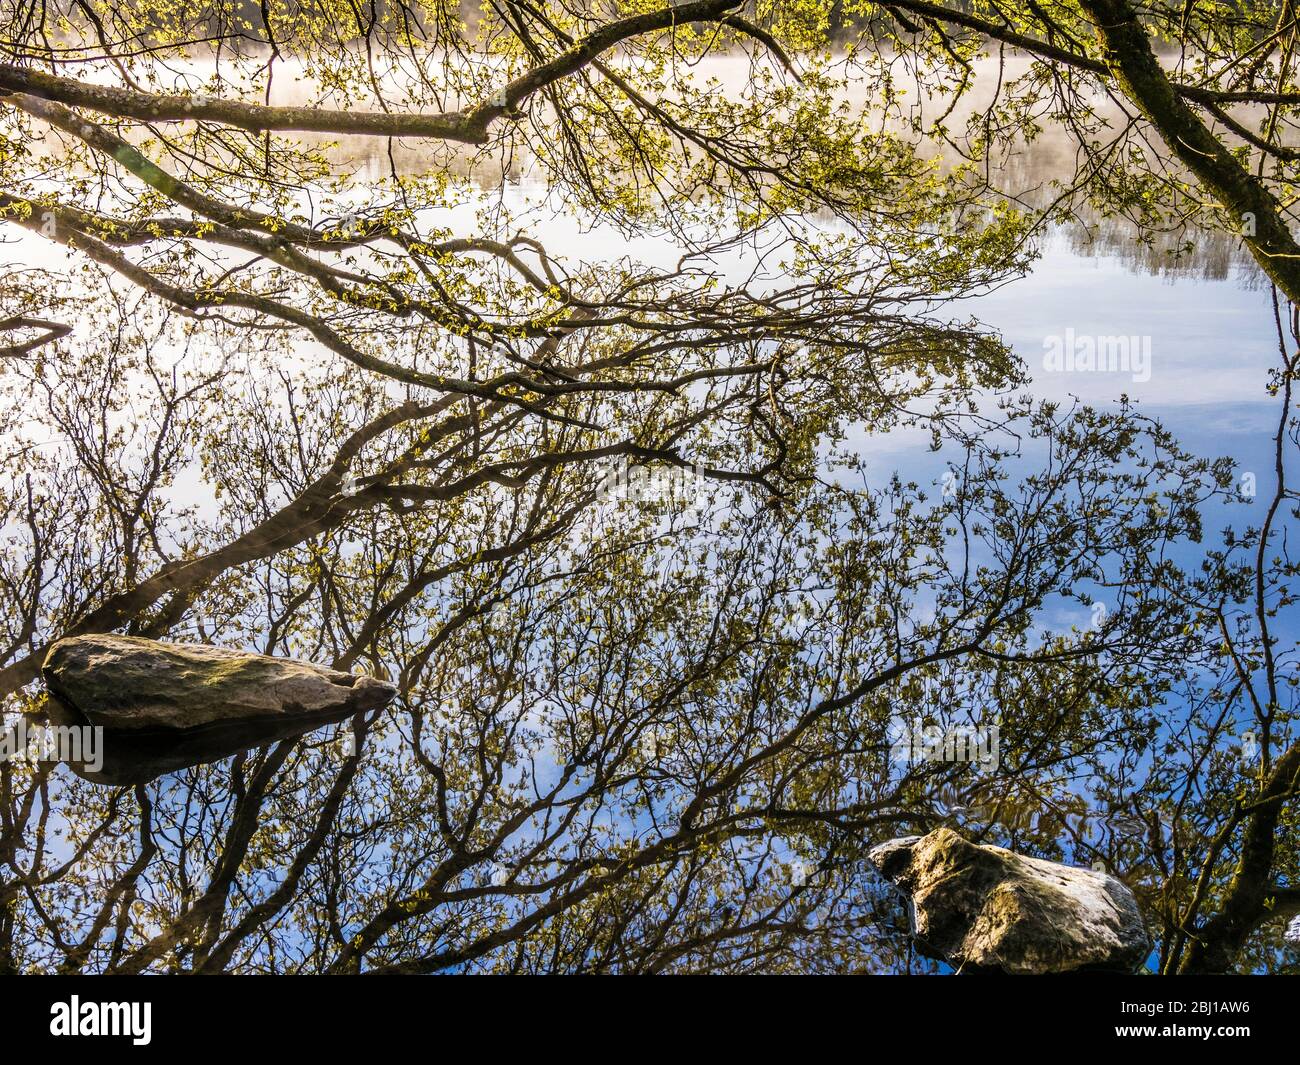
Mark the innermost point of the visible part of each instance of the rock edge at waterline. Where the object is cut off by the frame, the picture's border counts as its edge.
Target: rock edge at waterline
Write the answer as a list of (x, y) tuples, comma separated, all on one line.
[(988, 909)]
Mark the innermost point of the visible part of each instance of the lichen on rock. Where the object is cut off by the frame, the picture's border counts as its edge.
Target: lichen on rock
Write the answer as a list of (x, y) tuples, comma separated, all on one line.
[(166, 706), (988, 909), (125, 682)]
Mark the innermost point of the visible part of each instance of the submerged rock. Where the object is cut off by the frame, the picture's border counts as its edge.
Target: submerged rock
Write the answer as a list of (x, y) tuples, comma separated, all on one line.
[(166, 706), (118, 757), (988, 909), (124, 682)]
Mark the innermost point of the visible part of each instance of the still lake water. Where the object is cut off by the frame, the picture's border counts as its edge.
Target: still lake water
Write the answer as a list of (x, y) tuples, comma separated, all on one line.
[(1206, 315), (1209, 318), (1209, 323)]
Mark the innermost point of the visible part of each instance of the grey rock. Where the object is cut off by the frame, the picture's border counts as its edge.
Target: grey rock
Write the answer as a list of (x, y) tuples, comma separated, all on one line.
[(988, 909), (128, 683), (161, 707)]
